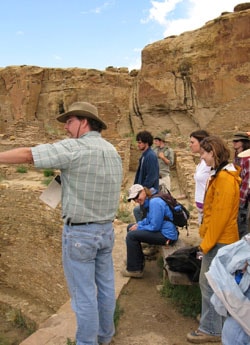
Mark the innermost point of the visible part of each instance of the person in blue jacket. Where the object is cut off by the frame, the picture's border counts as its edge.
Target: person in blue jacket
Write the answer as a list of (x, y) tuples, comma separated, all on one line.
[(156, 228), (147, 173)]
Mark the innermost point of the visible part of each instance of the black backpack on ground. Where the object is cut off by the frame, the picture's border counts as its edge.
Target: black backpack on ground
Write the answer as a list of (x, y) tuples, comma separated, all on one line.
[(184, 260)]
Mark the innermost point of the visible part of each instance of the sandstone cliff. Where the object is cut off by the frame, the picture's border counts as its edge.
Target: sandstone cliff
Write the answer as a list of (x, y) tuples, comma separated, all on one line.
[(197, 79), (200, 78)]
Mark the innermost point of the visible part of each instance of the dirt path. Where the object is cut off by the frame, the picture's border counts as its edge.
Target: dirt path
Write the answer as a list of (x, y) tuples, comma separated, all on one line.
[(147, 318)]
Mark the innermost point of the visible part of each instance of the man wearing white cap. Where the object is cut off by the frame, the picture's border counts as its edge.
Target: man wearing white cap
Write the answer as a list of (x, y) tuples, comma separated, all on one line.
[(91, 175)]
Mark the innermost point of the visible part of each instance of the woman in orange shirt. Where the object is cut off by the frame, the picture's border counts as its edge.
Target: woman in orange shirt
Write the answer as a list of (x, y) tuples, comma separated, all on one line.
[(218, 228)]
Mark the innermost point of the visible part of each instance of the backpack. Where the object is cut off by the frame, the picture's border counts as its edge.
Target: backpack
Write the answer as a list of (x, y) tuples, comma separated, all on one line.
[(184, 260), (180, 213)]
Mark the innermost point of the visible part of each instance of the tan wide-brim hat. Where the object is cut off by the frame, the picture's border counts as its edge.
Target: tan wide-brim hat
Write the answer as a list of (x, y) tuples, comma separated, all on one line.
[(244, 154), (160, 137), (82, 109)]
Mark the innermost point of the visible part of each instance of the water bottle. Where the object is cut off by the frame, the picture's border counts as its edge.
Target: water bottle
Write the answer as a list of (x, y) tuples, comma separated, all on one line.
[(177, 208)]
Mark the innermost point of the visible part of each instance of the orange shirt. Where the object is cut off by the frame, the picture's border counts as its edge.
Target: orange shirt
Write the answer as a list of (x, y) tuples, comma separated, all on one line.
[(221, 204)]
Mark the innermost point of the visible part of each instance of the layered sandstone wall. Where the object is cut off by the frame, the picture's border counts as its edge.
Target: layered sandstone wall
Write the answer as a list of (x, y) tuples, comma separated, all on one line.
[(197, 79)]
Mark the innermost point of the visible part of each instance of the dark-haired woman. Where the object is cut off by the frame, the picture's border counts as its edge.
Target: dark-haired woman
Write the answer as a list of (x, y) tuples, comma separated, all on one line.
[(202, 171)]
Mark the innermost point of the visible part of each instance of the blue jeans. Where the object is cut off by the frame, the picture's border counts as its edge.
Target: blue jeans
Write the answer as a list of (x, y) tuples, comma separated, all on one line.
[(88, 268), (233, 333), (210, 322), (135, 256)]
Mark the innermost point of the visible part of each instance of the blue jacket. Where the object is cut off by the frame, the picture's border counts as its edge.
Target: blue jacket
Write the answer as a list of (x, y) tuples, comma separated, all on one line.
[(147, 173), (154, 221)]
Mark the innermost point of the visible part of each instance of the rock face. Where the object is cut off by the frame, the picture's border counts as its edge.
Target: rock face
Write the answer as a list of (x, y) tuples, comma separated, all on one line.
[(197, 79), (38, 95), (200, 78)]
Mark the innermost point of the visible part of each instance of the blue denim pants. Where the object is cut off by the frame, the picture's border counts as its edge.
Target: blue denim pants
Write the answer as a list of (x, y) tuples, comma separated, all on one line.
[(88, 268), (210, 322), (233, 333)]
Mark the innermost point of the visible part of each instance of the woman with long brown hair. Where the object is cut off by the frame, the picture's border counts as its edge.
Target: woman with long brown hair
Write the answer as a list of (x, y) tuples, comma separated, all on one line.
[(218, 228)]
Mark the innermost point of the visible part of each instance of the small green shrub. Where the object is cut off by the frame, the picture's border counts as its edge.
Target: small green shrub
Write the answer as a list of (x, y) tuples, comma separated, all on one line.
[(124, 215), (70, 342), (118, 312), (48, 172), (187, 298), (18, 320), (21, 169), (47, 181)]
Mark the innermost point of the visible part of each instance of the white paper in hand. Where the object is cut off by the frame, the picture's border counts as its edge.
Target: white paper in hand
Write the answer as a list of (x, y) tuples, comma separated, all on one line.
[(52, 194)]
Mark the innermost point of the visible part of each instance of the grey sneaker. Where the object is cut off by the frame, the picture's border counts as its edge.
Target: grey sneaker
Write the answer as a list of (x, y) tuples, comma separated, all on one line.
[(132, 274)]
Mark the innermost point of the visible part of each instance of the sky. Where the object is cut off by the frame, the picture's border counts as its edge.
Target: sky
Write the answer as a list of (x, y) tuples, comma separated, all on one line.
[(95, 33)]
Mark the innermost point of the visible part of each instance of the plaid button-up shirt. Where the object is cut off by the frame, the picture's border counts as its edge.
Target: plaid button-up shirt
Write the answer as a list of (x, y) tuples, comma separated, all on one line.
[(91, 175)]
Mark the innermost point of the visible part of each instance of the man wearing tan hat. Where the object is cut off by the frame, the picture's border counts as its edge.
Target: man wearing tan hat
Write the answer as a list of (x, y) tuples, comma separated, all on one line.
[(241, 143), (91, 175)]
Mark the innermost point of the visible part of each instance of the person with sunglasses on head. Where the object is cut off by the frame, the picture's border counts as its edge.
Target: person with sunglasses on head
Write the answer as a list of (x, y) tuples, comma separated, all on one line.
[(241, 143), (157, 228)]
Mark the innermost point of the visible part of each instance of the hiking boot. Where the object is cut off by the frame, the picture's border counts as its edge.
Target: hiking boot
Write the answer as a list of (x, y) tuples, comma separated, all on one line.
[(132, 274), (198, 337), (104, 343)]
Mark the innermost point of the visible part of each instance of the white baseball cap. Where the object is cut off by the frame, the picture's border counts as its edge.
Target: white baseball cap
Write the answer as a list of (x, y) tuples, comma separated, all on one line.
[(134, 191)]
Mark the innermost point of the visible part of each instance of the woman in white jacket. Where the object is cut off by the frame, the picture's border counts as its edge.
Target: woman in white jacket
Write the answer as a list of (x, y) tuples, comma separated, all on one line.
[(202, 171)]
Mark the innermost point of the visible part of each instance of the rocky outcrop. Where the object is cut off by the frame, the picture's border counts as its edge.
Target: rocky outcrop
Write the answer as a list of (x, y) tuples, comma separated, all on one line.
[(197, 79), (30, 94)]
